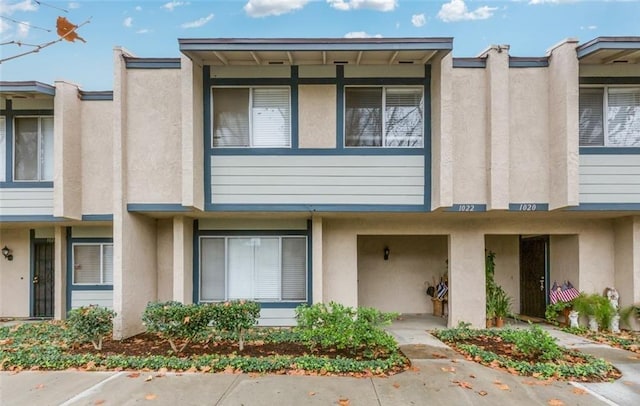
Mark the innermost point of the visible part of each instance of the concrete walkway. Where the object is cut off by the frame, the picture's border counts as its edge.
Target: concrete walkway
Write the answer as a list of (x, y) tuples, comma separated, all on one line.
[(438, 377)]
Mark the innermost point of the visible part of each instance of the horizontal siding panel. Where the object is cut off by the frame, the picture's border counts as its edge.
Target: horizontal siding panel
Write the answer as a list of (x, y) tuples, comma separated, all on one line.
[(26, 194), (277, 317), (609, 178), (26, 202), (326, 179), (81, 298)]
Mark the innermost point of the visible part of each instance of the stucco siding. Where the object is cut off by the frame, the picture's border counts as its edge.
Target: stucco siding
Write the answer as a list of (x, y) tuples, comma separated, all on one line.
[(317, 116), (26, 202), (609, 179), (81, 298), (97, 157), (317, 180)]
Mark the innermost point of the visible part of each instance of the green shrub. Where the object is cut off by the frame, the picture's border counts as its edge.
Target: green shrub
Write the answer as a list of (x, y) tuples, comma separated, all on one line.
[(235, 316), (345, 328), (176, 321), (534, 342), (552, 311), (90, 323)]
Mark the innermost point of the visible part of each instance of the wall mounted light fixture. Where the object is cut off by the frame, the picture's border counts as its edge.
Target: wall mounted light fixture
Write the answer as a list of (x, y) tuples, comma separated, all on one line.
[(386, 253), (7, 253)]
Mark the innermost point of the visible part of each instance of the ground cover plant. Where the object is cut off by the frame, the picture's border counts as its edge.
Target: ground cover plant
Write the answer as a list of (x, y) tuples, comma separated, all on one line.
[(529, 352), (627, 340), (211, 348)]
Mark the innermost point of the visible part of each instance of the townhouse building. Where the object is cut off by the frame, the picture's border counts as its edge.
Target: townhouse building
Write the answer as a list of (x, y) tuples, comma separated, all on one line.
[(294, 171)]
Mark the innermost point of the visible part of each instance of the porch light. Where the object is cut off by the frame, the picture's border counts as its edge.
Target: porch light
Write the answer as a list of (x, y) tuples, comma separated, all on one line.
[(7, 253), (386, 253)]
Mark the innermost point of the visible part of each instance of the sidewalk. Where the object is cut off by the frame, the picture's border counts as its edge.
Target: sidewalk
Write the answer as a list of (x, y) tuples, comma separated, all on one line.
[(438, 376)]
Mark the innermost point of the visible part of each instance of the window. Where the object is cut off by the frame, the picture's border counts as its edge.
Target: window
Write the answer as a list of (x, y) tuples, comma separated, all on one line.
[(258, 268), (33, 146), (610, 117), (251, 117), (3, 149), (383, 116), (93, 264)]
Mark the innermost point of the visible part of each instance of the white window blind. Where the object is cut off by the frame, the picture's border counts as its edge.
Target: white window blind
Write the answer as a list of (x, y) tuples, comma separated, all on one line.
[(212, 269), (107, 264), (363, 117), (403, 117), (93, 264), (33, 149), (46, 148), (3, 149), (623, 117), (591, 117), (267, 269), (271, 117), (240, 268), (294, 268)]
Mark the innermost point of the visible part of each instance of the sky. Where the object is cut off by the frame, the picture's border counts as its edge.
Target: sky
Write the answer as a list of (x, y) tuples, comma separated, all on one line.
[(150, 28)]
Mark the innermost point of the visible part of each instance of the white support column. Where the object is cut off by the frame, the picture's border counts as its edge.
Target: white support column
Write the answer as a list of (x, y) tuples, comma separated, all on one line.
[(182, 259), (627, 262), (467, 296), (60, 273), (317, 269)]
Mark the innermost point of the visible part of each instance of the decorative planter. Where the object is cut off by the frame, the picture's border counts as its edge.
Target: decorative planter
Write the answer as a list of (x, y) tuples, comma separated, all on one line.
[(437, 306), (593, 324), (573, 318), (499, 321), (615, 324), (489, 323)]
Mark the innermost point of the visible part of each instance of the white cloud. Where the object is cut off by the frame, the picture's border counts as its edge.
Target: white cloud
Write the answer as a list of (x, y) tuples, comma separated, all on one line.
[(128, 22), (24, 5), (143, 31), (23, 30), (589, 27), (264, 8), (173, 4), (73, 5), (418, 20), (198, 23), (379, 5), (456, 10), (361, 34), (551, 1)]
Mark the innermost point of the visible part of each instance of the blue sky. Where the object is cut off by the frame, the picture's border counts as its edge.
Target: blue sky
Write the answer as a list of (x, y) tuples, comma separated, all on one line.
[(150, 28)]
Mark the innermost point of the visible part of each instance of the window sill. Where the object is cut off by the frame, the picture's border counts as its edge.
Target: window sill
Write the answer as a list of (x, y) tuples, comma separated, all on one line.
[(609, 150), (26, 185)]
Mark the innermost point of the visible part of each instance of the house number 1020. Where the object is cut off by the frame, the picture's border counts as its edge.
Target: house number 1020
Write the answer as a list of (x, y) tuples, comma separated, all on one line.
[(527, 207)]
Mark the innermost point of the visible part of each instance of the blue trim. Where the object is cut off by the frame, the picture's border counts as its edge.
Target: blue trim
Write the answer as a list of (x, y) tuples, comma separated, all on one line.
[(605, 207), (157, 207), (26, 184), (339, 107), (316, 208), (321, 151), (69, 276), (31, 219), (250, 81), (81, 240), (294, 107), (382, 81), (27, 87), (609, 80), (281, 305), (427, 137), (151, 63), (467, 207), (206, 133), (310, 262), (469, 62), (97, 217), (526, 207), (253, 233), (91, 287), (8, 137), (607, 43), (527, 62), (32, 268), (195, 272), (32, 112), (609, 150), (96, 95), (318, 81)]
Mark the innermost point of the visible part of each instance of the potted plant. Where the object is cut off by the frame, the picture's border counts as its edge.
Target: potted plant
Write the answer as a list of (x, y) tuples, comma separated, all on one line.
[(502, 305), (491, 308), (554, 310), (597, 309)]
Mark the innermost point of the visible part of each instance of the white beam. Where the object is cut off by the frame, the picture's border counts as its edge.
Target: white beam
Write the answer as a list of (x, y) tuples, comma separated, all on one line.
[(221, 58)]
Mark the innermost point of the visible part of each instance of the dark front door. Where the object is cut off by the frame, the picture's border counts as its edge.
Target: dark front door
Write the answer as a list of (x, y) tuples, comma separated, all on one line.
[(534, 253), (42, 278)]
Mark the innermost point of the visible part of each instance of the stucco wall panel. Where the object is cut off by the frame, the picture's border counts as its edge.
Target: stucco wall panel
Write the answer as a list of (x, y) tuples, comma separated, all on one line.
[(317, 122), (609, 70), (597, 257), (154, 132), (165, 259), (507, 259), (97, 152)]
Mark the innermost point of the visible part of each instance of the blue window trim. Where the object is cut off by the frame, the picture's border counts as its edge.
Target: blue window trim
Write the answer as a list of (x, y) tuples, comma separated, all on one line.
[(609, 80), (97, 217), (33, 218), (605, 207), (10, 114), (70, 286), (469, 63), (312, 208), (157, 207), (609, 150), (308, 233)]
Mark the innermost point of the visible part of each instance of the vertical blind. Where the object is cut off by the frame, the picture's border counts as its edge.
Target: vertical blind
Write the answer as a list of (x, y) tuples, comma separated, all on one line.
[(623, 117), (270, 117), (93, 264)]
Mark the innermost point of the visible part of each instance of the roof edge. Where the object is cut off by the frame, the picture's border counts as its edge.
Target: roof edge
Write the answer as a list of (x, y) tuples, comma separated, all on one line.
[(30, 86)]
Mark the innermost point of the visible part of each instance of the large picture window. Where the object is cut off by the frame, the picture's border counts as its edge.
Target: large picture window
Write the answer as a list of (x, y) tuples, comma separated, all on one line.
[(264, 268), (610, 117), (33, 149), (384, 116), (251, 117), (92, 264)]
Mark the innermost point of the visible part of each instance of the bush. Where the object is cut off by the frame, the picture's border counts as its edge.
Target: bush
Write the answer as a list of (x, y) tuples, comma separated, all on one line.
[(90, 323), (176, 321), (235, 316), (345, 328), (534, 343)]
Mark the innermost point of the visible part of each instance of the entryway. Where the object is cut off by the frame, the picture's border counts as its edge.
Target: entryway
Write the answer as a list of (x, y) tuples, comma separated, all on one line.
[(42, 278), (534, 275)]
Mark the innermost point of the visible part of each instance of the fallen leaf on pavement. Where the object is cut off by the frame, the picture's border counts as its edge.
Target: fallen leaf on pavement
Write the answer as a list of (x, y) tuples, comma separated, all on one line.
[(503, 386), (133, 375), (148, 378), (151, 396), (437, 355), (343, 402), (472, 376), (555, 402), (482, 393), (99, 402), (415, 369), (450, 369), (40, 386), (628, 383), (463, 384), (312, 393), (579, 391), (396, 385), (205, 368)]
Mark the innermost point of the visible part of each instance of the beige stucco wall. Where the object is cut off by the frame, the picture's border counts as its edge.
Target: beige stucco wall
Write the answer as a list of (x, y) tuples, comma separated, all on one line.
[(15, 276), (529, 135), (40, 103), (317, 116), (469, 136), (164, 258), (507, 259), (442, 132), (183, 259), (627, 261), (97, 152), (192, 130), (597, 257), (340, 260), (609, 70), (154, 132), (564, 262), (399, 283)]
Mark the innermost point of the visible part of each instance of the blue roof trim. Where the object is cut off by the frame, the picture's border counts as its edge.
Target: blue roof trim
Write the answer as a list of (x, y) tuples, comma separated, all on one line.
[(26, 185), (609, 150), (319, 151), (151, 63), (467, 207), (33, 218), (528, 62), (605, 207), (528, 207), (317, 208), (607, 43), (97, 217), (315, 44), (469, 62), (90, 287), (96, 95), (157, 207), (609, 80), (27, 87)]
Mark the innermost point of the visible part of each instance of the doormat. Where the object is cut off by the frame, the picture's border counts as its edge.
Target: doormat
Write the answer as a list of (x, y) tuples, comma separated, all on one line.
[(531, 319)]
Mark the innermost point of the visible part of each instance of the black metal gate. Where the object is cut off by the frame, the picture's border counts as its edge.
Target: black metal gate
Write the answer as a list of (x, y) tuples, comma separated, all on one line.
[(43, 282)]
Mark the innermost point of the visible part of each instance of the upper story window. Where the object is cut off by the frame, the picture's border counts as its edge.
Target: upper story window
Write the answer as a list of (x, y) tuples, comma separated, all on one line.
[(93, 264), (33, 149), (257, 117), (610, 117), (384, 116)]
